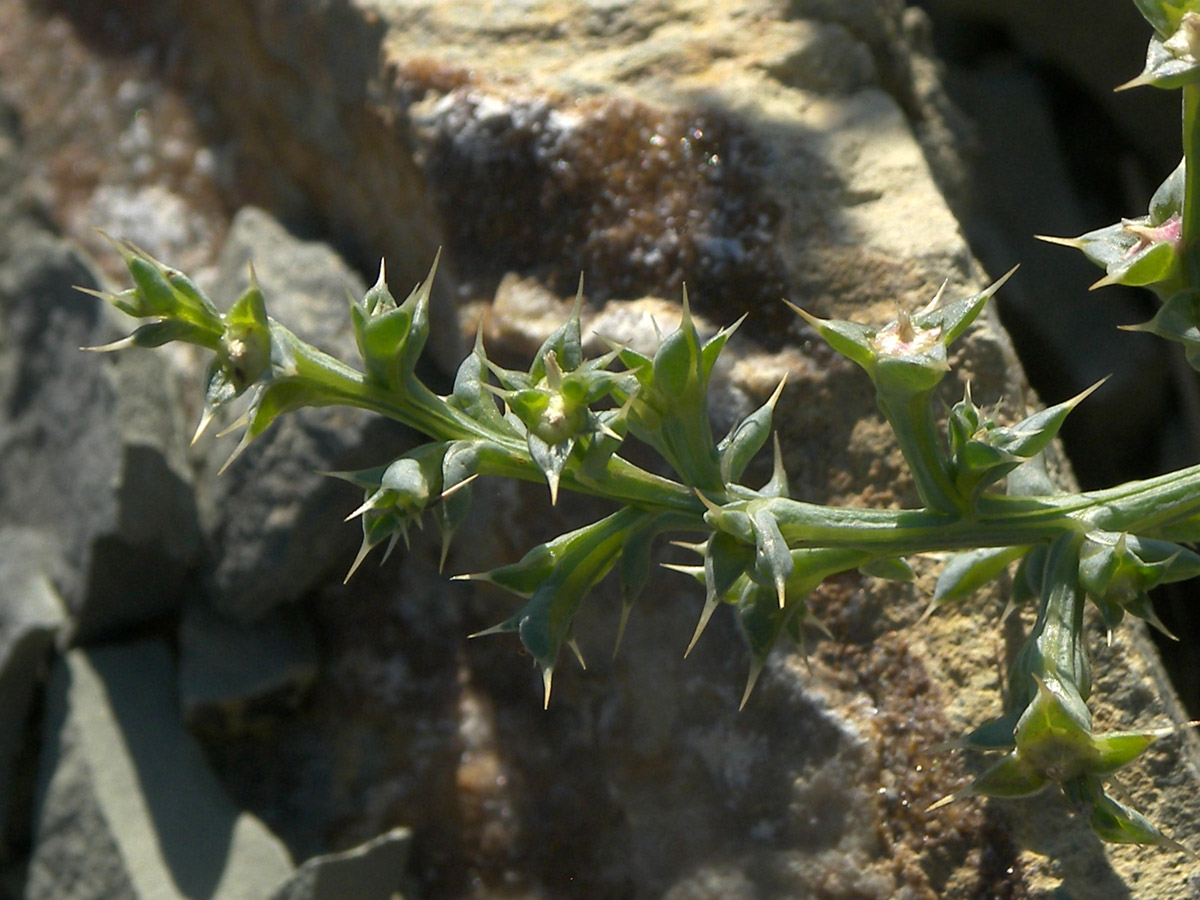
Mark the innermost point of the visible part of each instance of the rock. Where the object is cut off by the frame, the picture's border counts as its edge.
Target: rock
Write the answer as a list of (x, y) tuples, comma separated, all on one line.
[(127, 807), (227, 667), (275, 523), (31, 615), (118, 496), (374, 871), (115, 502), (103, 144), (1098, 47)]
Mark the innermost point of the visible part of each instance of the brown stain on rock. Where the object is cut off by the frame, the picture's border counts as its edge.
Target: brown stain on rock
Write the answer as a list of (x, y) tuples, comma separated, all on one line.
[(932, 853), (636, 198)]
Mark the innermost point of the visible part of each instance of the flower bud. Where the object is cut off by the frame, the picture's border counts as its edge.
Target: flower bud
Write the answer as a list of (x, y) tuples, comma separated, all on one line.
[(245, 350), (1055, 745), (561, 573), (669, 408), (1118, 571), (982, 452), (390, 337)]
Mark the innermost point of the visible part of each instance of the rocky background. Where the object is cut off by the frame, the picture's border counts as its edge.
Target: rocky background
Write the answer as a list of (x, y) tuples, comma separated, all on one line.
[(192, 704)]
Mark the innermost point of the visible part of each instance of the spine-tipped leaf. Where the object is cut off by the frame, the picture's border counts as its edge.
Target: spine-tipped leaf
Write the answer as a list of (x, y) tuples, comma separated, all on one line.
[(966, 572), (746, 438), (391, 337)]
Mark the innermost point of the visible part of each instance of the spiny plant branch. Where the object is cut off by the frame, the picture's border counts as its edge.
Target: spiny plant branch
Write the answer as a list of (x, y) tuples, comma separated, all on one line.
[(565, 421)]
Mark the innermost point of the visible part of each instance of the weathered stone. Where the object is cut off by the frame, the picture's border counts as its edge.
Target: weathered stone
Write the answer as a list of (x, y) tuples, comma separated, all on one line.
[(226, 667), (103, 144), (274, 521), (373, 871), (90, 445), (127, 807), (1100, 46), (31, 615)]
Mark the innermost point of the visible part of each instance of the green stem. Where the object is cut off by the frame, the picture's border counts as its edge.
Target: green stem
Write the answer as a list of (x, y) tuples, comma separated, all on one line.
[(912, 421), (421, 409), (894, 533), (995, 521), (1190, 245), (999, 521), (1056, 644), (1142, 507)]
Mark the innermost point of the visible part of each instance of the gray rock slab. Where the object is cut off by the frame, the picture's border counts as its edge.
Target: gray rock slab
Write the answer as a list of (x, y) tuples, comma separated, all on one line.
[(372, 871), (226, 666), (275, 524), (90, 445), (127, 806), (31, 615)]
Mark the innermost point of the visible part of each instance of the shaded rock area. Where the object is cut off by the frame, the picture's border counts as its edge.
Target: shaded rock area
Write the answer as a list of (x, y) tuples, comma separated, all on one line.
[(201, 708), (117, 764), (27, 632), (1032, 75)]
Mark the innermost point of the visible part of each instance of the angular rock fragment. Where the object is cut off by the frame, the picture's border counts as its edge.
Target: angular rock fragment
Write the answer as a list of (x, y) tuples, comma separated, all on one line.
[(127, 806), (31, 614), (227, 667), (116, 494), (373, 871)]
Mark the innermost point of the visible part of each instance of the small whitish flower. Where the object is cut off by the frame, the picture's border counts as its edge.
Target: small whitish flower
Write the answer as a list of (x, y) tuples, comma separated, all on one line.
[(907, 359), (903, 338), (908, 355), (550, 405), (1169, 232), (555, 409), (1184, 44)]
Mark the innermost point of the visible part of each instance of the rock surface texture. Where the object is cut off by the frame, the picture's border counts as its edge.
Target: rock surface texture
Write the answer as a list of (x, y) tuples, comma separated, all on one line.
[(126, 805), (752, 149)]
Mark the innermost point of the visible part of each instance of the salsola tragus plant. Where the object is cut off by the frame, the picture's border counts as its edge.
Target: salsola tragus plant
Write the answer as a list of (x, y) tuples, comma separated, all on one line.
[(985, 495)]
